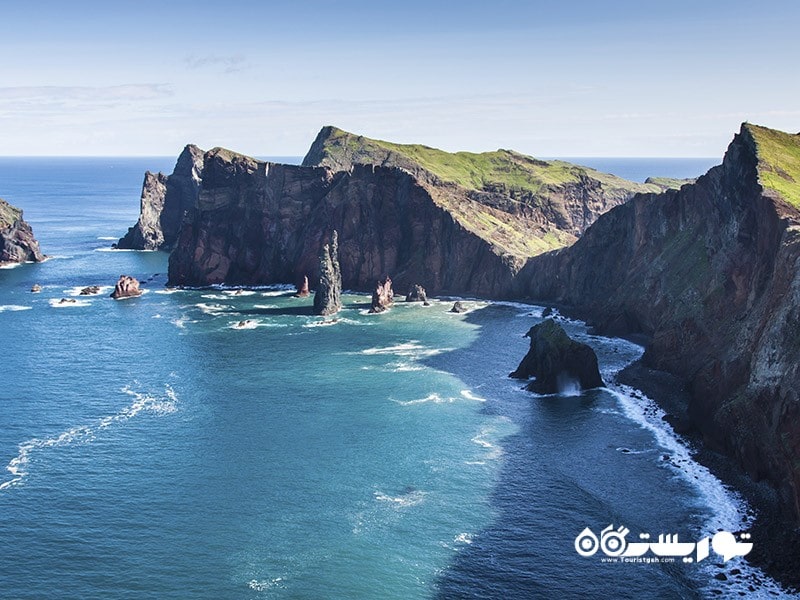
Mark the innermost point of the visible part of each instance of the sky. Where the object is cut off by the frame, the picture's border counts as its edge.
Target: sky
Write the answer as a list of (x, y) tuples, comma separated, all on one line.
[(547, 78)]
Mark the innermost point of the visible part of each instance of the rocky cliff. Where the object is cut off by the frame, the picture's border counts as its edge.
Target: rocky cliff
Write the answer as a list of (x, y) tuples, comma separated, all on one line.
[(17, 243), (712, 274), (557, 362), (526, 205), (458, 223), (164, 202)]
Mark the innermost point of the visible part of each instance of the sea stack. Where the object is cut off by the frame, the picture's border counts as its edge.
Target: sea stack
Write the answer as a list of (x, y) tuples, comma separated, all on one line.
[(555, 359), (17, 243), (328, 297), (458, 307), (417, 294), (127, 287), (382, 296), (302, 289)]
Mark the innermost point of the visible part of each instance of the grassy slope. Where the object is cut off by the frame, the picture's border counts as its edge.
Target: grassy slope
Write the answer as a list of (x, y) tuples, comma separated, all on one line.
[(778, 161), (8, 214), (503, 169), (518, 177)]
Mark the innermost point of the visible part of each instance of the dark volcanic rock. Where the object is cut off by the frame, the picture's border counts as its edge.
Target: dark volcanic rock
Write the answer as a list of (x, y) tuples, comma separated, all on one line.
[(17, 243), (555, 359), (257, 223), (164, 201), (127, 287), (417, 294), (458, 307), (382, 296), (711, 273), (328, 296), (90, 290), (302, 289), (36, 288)]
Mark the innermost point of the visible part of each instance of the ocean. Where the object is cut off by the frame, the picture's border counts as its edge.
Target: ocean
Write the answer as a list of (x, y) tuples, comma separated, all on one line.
[(157, 447)]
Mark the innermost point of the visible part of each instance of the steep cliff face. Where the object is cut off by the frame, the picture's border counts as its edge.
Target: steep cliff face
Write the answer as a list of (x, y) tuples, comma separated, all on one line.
[(559, 200), (165, 200), (458, 223), (17, 243), (258, 223), (712, 274)]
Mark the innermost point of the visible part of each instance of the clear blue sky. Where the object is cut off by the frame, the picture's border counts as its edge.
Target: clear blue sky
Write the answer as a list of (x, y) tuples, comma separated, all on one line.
[(581, 78)]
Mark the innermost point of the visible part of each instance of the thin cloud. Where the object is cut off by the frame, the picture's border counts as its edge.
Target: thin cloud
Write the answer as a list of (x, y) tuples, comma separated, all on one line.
[(126, 92), (230, 63)]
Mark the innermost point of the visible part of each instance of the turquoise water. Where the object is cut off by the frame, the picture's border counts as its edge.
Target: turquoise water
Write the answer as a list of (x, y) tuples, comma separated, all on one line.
[(215, 444)]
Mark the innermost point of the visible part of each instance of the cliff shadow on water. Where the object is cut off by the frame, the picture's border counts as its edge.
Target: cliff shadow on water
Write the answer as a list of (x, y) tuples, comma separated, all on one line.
[(573, 461)]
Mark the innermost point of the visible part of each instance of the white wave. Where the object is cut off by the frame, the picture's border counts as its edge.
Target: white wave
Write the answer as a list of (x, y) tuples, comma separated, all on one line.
[(13, 307), (214, 297), (169, 291), (265, 584), (411, 498), (463, 538), (412, 349), (470, 396), (323, 323), (76, 290), (109, 249), (729, 507), (494, 450), (246, 324), (280, 292), (265, 306), (239, 292), (435, 398), (405, 367), (181, 321), (9, 265), (63, 302), (213, 309), (159, 405), (107, 238)]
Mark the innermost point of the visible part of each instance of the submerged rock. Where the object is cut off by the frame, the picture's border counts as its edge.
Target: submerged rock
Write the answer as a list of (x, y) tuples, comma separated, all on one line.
[(382, 296), (417, 294), (458, 307), (127, 287), (36, 288), (328, 297), (556, 360), (302, 289)]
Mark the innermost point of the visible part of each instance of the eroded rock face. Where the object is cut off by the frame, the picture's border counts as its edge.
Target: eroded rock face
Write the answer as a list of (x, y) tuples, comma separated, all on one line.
[(17, 243), (302, 289), (126, 287), (258, 223), (712, 274), (328, 296), (458, 307), (417, 294), (382, 296), (165, 200), (557, 361)]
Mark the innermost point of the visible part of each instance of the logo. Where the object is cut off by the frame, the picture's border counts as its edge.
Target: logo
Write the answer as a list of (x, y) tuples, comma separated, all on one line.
[(667, 549)]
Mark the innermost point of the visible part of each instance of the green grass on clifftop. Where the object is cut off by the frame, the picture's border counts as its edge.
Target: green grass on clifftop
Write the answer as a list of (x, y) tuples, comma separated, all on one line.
[(501, 170), (8, 214), (778, 161)]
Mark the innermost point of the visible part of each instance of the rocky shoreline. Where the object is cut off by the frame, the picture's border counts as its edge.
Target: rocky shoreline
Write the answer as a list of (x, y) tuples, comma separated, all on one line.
[(775, 538)]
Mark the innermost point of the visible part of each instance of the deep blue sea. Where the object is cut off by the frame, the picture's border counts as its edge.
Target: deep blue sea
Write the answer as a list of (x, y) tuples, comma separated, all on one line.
[(150, 448)]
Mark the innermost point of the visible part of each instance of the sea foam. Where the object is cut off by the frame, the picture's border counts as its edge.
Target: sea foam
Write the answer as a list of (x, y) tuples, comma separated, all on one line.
[(156, 404), (13, 307)]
